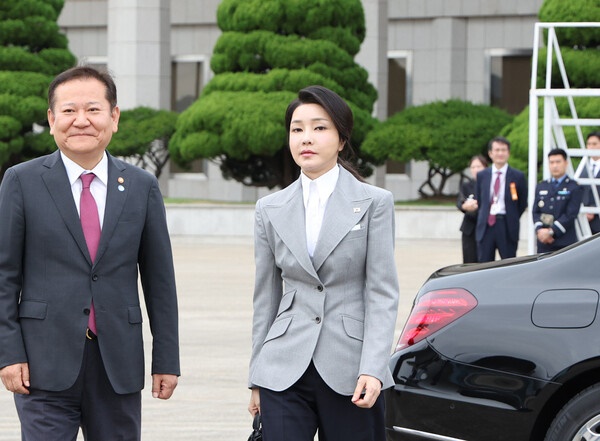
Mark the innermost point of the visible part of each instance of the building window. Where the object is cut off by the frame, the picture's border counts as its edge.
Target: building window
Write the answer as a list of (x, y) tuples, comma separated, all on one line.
[(187, 82), (509, 76), (188, 77), (399, 95), (100, 63)]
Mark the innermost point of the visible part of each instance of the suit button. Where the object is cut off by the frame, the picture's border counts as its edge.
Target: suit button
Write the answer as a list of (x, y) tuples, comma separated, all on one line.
[(95, 277), (318, 320), (320, 288), (86, 311)]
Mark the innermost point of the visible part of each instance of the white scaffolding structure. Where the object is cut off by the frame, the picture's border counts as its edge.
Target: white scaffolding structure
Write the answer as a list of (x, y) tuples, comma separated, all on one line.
[(553, 134)]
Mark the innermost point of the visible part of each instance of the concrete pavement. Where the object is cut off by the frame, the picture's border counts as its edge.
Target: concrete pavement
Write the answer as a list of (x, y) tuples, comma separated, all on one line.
[(215, 283)]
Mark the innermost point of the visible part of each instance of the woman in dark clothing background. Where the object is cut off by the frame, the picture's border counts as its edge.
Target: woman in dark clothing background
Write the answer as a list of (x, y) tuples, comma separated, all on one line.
[(467, 203)]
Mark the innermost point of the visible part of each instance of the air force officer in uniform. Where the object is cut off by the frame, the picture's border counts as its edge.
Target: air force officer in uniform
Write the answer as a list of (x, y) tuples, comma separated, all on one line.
[(326, 289), (556, 206)]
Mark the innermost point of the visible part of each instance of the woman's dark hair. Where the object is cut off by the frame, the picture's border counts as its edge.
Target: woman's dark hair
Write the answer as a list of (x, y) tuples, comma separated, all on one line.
[(480, 158), (340, 114), (84, 73)]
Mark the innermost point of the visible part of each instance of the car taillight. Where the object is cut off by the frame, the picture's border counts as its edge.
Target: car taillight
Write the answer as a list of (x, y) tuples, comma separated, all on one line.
[(433, 311)]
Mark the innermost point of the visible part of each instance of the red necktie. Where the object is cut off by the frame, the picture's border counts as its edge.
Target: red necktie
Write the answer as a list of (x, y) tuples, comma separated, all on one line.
[(90, 222), (492, 217)]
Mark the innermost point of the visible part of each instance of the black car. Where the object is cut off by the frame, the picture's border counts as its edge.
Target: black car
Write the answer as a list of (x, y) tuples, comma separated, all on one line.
[(506, 350)]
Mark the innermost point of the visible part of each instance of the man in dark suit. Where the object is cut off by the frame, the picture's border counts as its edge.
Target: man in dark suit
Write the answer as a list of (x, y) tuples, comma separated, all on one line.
[(556, 206), (502, 196), (592, 143), (71, 346)]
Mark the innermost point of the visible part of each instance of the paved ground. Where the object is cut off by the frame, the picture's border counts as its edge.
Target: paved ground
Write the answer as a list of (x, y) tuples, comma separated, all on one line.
[(215, 282)]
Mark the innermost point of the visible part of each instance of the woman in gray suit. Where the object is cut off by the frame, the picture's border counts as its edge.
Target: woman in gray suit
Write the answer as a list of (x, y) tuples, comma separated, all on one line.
[(326, 288)]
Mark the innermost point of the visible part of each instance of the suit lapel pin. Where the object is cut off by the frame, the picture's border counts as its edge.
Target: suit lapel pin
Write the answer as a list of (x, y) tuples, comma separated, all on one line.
[(357, 209), (120, 180)]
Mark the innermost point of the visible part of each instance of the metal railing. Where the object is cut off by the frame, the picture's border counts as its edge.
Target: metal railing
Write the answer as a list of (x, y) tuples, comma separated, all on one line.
[(553, 135)]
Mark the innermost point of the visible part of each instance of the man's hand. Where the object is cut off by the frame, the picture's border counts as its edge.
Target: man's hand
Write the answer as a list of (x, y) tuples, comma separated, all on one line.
[(544, 235), (15, 378), (163, 385), (371, 387)]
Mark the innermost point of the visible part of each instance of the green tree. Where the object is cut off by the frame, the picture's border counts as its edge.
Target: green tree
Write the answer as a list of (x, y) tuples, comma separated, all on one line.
[(579, 49), (443, 133), (32, 52), (268, 51), (517, 132), (143, 137), (556, 11)]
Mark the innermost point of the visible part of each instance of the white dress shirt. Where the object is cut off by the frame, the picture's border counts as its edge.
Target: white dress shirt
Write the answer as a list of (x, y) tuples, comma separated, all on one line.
[(595, 167), (98, 186), (325, 185), (501, 205)]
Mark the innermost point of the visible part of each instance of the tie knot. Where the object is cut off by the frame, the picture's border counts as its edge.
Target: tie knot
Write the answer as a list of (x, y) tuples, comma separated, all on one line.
[(86, 179)]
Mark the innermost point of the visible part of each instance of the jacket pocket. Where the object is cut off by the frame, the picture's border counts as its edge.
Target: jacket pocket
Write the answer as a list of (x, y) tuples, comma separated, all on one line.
[(286, 302), (278, 328), (358, 231), (354, 328), (135, 314), (33, 309)]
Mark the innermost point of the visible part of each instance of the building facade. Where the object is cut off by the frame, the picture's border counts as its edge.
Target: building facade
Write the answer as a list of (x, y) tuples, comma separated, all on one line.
[(415, 51)]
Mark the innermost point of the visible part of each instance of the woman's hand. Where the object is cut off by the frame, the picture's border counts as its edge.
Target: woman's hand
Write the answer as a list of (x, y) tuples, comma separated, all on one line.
[(254, 405), (367, 390), (470, 205)]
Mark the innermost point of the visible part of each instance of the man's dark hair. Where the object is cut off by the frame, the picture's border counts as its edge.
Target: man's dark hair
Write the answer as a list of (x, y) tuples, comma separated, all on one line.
[(595, 133), (83, 73), (560, 152), (500, 139)]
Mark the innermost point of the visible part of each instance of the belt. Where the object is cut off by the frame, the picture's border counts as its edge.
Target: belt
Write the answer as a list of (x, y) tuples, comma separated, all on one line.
[(90, 335), (500, 216)]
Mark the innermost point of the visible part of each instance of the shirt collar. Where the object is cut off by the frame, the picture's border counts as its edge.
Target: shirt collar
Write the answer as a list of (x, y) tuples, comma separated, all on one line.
[(325, 183), (74, 170), (503, 169), (559, 180)]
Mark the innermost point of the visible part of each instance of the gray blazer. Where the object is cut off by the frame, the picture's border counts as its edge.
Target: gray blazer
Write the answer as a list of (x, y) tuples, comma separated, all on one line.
[(47, 280), (338, 309)]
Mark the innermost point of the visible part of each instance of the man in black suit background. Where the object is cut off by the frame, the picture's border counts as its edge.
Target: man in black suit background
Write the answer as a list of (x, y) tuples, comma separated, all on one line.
[(592, 143), (71, 346), (502, 196)]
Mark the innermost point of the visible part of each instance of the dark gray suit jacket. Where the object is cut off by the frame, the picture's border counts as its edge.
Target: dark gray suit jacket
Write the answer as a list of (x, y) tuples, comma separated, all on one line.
[(588, 200), (47, 280)]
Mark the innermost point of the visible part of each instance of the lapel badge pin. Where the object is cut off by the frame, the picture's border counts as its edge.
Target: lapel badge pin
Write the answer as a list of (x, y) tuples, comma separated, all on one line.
[(121, 188), (120, 180), (357, 209)]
